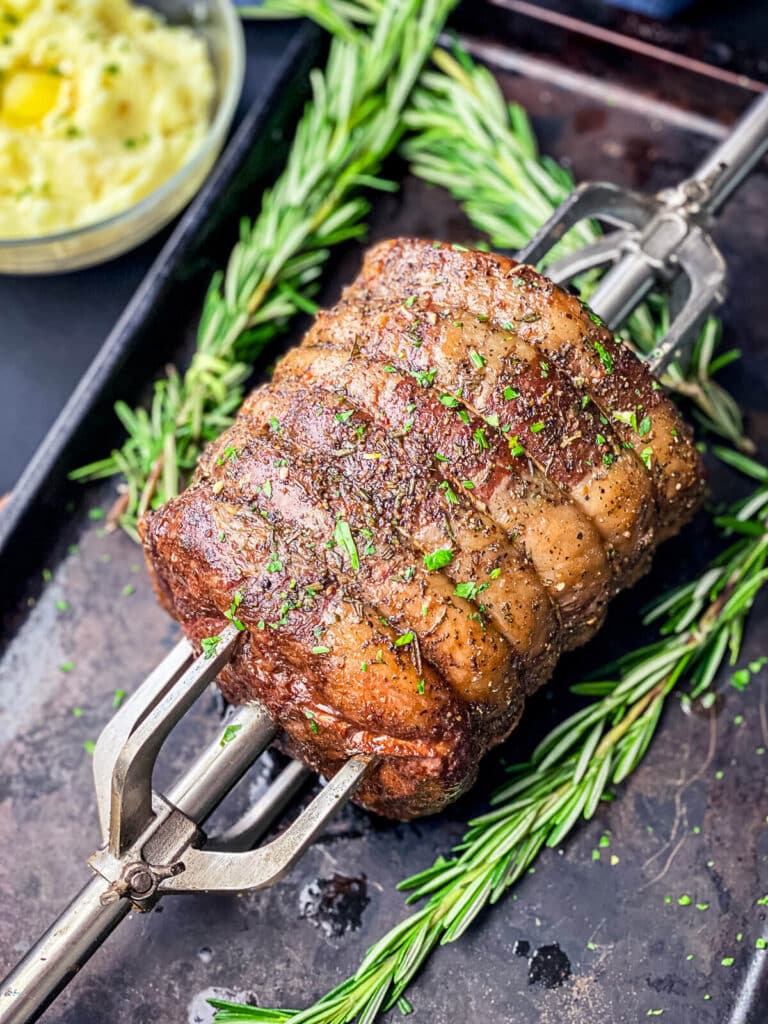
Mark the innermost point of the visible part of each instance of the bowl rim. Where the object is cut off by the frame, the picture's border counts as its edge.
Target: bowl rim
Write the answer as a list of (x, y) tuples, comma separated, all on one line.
[(218, 127)]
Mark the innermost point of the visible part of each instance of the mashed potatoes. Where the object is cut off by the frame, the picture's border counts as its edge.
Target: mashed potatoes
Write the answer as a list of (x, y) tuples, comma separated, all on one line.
[(100, 102)]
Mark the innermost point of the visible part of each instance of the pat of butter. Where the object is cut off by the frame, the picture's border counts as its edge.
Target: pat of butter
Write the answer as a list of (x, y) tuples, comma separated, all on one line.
[(28, 95)]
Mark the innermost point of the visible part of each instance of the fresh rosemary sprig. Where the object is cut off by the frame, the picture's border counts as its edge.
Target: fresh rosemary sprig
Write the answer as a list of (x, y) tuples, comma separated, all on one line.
[(465, 137), (598, 747), (338, 17), (352, 122)]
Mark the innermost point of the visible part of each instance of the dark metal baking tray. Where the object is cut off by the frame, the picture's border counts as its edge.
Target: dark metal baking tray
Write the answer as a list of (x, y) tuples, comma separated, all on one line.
[(691, 820)]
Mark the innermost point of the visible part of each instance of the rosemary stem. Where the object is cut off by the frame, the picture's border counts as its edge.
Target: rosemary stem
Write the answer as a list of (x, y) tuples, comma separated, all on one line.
[(613, 736)]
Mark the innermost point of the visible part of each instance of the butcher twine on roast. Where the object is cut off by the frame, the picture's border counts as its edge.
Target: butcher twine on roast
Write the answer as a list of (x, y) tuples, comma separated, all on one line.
[(437, 493)]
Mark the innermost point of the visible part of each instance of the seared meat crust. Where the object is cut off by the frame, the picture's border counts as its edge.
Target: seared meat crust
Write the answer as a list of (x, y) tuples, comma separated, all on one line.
[(438, 493)]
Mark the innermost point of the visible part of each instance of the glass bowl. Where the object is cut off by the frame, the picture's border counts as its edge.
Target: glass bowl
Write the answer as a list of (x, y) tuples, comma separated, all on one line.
[(219, 24)]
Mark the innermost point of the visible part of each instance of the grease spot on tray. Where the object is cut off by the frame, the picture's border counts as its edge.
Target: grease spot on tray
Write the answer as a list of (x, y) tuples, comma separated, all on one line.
[(335, 904), (549, 966)]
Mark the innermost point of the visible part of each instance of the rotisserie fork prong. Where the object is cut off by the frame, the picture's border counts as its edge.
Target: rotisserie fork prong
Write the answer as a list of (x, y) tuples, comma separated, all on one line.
[(151, 838), (659, 241)]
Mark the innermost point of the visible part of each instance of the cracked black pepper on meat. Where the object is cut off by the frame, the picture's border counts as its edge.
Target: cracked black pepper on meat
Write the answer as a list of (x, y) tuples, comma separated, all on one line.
[(438, 492)]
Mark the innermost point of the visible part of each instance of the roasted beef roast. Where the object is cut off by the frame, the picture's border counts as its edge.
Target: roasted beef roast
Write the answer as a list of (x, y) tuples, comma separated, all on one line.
[(436, 494)]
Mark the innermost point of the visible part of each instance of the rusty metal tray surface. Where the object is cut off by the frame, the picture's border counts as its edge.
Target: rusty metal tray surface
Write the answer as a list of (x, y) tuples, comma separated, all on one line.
[(692, 820)]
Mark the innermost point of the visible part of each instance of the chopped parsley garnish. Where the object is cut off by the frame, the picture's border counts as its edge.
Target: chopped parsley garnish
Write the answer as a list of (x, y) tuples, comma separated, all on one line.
[(450, 495), (628, 416), (438, 559), (128, 589), (405, 639), (420, 689), (342, 417), (321, 649), (343, 537), (536, 428), (478, 360), (424, 377), (118, 698), (468, 484), (231, 612), (608, 459), (594, 317), (410, 300), (645, 426), (229, 733), (62, 606), (229, 454), (66, 666), (515, 447), (480, 438), (600, 439), (510, 393), (449, 401), (89, 747), (470, 590), (209, 645), (274, 424), (312, 723), (492, 419), (647, 455), (96, 513), (274, 564), (266, 489), (544, 367), (605, 356)]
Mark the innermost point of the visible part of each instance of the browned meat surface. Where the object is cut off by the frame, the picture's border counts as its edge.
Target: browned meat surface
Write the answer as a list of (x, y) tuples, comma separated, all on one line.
[(438, 493)]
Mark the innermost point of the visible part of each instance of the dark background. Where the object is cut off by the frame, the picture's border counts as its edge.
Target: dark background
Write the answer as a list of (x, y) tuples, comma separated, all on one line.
[(51, 327)]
